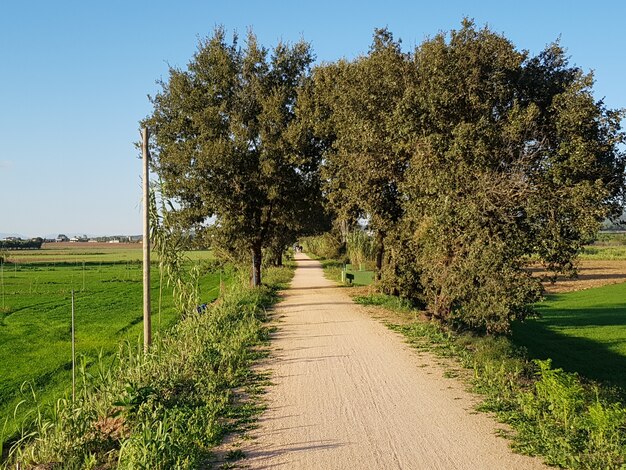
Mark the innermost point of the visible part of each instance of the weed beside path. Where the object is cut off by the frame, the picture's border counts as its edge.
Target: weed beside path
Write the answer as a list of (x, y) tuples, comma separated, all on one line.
[(164, 409), (555, 414)]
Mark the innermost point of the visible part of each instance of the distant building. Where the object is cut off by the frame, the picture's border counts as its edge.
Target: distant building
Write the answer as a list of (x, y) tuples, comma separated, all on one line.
[(62, 238)]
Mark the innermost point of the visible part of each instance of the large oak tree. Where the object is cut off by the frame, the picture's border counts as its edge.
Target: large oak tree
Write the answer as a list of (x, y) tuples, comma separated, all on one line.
[(231, 149), (514, 163)]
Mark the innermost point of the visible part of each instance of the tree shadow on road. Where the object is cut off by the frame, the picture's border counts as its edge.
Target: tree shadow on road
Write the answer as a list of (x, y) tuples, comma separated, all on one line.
[(555, 336)]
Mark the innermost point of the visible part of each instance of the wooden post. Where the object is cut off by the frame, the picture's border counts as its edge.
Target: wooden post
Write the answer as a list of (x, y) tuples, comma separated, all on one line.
[(2, 278), (147, 325), (73, 353)]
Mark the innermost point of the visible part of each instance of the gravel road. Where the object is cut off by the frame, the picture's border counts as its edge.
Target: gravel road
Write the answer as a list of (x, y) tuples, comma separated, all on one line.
[(349, 394)]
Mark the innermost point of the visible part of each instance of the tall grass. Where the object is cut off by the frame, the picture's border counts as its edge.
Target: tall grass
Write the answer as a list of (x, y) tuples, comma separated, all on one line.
[(163, 409), (606, 246), (360, 248), (326, 246), (603, 252)]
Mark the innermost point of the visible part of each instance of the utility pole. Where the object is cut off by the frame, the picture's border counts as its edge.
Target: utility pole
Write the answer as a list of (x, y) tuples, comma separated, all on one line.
[(147, 322)]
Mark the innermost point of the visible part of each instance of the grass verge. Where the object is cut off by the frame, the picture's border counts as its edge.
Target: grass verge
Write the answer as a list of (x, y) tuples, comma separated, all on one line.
[(571, 422), (164, 409)]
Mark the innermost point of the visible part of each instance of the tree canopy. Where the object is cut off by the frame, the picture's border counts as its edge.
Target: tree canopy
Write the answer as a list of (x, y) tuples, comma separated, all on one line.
[(470, 160), (358, 111), (231, 148)]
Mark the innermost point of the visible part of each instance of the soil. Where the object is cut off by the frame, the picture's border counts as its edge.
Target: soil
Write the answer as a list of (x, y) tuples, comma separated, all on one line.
[(348, 393), (592, 273)]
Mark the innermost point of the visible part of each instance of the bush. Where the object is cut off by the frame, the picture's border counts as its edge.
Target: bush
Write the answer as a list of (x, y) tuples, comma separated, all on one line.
[(401, 275), (571, 424)]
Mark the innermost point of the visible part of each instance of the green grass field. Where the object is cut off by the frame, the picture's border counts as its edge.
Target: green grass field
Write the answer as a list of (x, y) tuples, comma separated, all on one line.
[(360, 277), (582, 332), (333, 268), (35, 314)]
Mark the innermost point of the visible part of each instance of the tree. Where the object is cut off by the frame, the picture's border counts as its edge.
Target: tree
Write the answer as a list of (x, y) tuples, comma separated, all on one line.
[(513, 162), (358, 102), (230, 146)]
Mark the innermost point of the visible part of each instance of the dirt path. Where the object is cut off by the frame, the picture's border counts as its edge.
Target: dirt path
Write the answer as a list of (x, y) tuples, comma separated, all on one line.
[(349, 394)]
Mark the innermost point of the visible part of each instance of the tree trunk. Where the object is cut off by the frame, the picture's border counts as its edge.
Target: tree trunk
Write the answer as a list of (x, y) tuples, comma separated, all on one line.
[(279, 259), (380, 252), (344, 237), (257, 257), (344, 230)]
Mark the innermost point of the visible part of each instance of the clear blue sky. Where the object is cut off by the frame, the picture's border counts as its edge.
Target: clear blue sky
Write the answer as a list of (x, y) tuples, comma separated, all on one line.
[(74, 76)]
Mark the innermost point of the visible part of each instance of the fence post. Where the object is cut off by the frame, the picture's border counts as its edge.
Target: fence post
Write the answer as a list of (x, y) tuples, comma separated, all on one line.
[(147, 326), (73, 353)]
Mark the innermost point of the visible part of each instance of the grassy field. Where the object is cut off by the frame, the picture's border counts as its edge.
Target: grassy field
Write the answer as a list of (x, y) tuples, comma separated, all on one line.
[(607, 246), (35, 314), (582, 331), (333, 269)]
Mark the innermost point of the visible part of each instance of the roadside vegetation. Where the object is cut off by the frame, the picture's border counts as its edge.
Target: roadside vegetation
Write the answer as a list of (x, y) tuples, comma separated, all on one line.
[(568, 420), (163, 409), (35, 317)]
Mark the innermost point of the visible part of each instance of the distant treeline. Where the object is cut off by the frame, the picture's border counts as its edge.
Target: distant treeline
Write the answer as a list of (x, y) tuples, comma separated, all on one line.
[(19, 244)]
